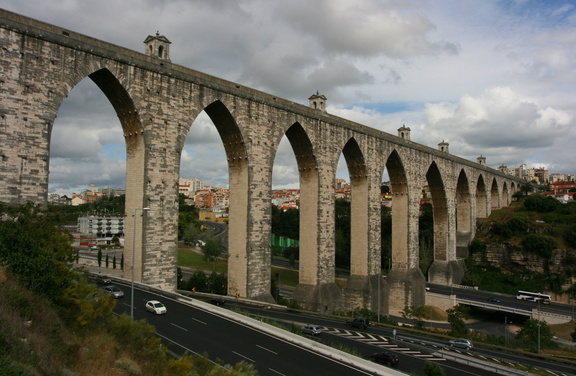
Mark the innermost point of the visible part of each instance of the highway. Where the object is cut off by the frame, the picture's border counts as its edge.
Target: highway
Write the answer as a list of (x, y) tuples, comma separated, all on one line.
[(195, 330), (413, 349)]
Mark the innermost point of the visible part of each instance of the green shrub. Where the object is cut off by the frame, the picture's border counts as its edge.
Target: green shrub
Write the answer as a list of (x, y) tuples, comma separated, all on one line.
[(540, 244), (129, 366), (541, 204), (433, 369)]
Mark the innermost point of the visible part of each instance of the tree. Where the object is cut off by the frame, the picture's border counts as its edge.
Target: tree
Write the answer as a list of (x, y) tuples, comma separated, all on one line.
[(190, 233), (530, 332), (34, 248), (573, 334), (197, 281), (540, 244), (456, 317), (416, 313), (212, 249), (217, 283), (541, 204), (526, 188), (99, 258), (433, 369)]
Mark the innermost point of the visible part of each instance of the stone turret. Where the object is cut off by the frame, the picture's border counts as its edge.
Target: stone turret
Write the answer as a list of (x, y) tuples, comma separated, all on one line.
[(481, 160), (158, 46), (404, 132), (318, 102), (443, 146)]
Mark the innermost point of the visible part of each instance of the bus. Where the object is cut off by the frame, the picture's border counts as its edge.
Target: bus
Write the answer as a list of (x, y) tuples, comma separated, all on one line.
[(533, 297)]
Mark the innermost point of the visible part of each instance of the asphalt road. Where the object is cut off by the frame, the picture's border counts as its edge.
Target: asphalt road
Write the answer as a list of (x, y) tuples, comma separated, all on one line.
[(189, 329)]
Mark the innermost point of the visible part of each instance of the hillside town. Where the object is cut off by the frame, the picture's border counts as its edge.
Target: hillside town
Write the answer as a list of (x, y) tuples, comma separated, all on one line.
[(213, 202), (217, 200)]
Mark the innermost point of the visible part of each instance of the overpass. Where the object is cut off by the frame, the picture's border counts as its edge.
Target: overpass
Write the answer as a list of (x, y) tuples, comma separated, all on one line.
[(157, 101)]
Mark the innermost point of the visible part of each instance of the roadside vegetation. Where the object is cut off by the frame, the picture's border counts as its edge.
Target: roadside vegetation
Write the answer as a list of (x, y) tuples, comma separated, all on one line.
[(55, 321)]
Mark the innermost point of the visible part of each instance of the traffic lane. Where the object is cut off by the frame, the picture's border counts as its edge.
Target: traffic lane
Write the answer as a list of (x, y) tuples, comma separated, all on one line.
[(291, 317), (234, 342), (409, 361), (198, 331)]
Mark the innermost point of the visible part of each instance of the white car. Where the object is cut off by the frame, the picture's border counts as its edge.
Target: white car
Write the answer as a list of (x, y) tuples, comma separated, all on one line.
[(156, 307)]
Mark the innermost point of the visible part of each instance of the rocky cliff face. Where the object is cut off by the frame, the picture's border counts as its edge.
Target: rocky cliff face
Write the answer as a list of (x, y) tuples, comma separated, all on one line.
[(513, 259)]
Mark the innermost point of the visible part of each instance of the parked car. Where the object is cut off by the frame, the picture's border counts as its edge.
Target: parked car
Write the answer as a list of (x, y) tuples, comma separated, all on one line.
[(462, 343), (313, 330), (114, 290), (358, 322), (493, 300), (387, 358), (156, 307)]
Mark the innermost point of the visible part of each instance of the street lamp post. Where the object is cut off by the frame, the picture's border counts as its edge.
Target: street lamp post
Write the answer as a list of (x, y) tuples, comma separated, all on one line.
[(133, 256), (538, 326), (506, 331)]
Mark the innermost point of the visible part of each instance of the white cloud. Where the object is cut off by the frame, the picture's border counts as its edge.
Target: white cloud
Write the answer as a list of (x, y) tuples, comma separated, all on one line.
[(495, 78)]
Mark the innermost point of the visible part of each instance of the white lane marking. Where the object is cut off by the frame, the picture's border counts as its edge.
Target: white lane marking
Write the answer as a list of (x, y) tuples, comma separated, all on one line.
[(201, 322), (280, 373), (264, 348), (179, 327), (245, 357)]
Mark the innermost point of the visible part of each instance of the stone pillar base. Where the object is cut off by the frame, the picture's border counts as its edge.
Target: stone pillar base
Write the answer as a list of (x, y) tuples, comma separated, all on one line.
[(362, 292), (405, 288), (447, 272), (321, 298), (264, 298)]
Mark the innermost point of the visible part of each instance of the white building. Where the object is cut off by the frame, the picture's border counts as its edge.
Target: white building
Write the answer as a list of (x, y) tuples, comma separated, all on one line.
[(103, 228), (188, 187)]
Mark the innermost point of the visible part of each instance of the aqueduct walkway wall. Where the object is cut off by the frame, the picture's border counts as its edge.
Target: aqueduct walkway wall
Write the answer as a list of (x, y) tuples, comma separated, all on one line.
[(157, 101)]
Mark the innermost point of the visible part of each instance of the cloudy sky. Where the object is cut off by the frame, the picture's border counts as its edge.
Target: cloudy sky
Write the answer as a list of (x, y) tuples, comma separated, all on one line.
[(492, 78)]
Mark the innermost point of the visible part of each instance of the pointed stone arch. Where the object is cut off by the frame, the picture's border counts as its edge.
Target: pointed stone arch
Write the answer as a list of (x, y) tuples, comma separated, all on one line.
[(405, 282), (400, 228), (464, 217), (316, 288), (357, 171), (505, 195), (494, 195), (358, 288), (481, 198), (440, 210), (136, 157), (446, 268), (244, 278), (308, 171)]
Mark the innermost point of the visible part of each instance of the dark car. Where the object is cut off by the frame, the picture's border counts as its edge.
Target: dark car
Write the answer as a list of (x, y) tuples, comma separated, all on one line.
[(493, 300), (358, 322), (103, 280), (387, 358), (218, 301)]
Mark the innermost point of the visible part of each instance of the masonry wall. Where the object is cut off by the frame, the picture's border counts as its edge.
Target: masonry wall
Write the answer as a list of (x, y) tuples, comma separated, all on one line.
[(157, 101)]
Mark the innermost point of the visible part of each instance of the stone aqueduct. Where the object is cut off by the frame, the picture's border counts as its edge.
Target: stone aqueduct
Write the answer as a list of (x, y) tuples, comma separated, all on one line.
[(157, 101)]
